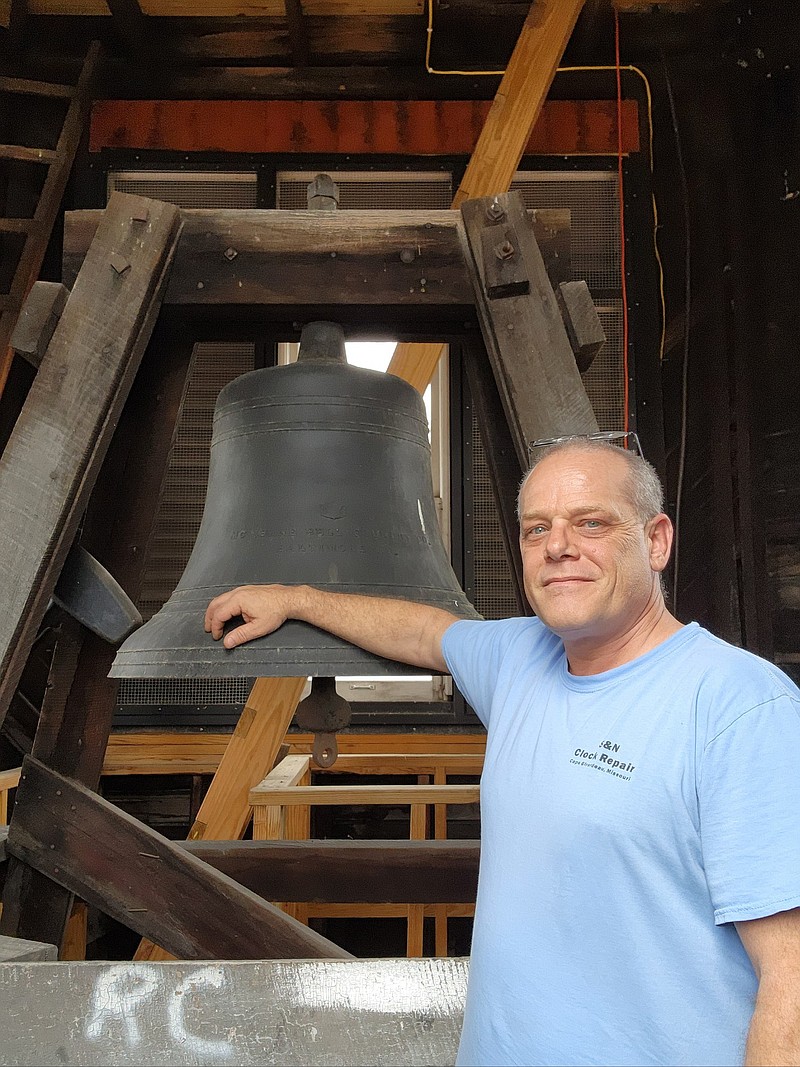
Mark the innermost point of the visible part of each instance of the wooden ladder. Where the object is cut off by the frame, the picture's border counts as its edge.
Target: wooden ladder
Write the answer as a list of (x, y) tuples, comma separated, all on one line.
[(58, 160)]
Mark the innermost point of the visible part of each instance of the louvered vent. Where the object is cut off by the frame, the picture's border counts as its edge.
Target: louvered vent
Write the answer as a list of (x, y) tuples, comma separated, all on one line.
[(387, 191), (204, 189)]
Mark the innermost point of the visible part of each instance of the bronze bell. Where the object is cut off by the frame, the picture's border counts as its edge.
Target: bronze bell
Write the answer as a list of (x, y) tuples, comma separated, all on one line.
[(319, 475)]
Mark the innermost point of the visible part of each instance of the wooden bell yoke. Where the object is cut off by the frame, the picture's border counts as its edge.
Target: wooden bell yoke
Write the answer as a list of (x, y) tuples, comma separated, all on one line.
[(487, 257)]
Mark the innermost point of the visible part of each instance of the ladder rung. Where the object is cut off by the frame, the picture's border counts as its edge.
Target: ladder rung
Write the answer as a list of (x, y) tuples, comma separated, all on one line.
[(35, 88), (28, 155), (17, 225)]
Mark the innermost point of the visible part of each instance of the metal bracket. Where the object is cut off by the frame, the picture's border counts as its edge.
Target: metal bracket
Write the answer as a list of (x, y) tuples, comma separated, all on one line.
[(504, 271)]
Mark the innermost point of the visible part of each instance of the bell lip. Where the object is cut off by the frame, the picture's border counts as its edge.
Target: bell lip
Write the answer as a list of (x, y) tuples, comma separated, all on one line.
[(296, 649)]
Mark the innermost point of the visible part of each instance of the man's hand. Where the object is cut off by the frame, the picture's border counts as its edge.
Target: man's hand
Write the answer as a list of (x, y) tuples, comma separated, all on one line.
[(263, 607), (394, 629)]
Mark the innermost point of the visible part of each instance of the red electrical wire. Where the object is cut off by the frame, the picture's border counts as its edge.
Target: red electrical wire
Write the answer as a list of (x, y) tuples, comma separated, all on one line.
[(620, 192)]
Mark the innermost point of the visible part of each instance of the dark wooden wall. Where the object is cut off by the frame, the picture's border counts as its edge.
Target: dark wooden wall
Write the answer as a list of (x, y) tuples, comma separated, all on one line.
[(728, 168)]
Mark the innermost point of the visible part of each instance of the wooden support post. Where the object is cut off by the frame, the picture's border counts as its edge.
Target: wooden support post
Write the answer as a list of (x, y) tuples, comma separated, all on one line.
[(531, 356), (73, 945), (418, 831), (56, 449), (507, 129), (138, 877), (440, 834)]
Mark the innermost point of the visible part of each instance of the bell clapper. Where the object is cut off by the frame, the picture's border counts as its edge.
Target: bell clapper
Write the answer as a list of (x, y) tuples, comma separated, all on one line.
[(323, 712)]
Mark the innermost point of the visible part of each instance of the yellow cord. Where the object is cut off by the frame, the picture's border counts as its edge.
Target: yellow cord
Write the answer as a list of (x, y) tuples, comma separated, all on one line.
[(572, 70)]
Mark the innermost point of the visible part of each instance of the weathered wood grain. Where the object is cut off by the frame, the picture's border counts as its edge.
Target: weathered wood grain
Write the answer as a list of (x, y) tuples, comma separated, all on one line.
[(38, 319), (530, 353), (57, 446), (315, 259), (77, 711), (584, 329), (145, 881), (380, 872), (519, 98)]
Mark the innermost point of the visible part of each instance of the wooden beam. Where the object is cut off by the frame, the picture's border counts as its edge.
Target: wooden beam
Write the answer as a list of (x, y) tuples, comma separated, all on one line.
[(392, 795), (311, 259), (302, 126), (268, 77), (47, 208), (298, 32), (401, 872), (38, 320), (79, 702), (231, 8), (56, 449), (506, 131), (531, 356), (519, 99), (116, 863), (165, 752), (131, 26)]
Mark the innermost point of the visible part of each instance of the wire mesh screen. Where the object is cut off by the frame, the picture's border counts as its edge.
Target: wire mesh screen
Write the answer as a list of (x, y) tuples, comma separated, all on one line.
[(591, 198), (211, 189), (389, 191)]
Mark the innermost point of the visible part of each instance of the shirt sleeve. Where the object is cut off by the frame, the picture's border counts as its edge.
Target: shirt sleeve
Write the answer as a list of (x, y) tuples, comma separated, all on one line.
[(749, 797), (474, 652)]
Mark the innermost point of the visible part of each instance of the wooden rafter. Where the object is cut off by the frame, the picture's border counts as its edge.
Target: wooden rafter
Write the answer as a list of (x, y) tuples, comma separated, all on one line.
[(331, 8), (505, 133)]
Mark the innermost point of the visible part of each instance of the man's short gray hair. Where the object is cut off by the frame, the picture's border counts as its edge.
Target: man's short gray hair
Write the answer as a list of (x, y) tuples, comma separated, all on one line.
[(644, 488)]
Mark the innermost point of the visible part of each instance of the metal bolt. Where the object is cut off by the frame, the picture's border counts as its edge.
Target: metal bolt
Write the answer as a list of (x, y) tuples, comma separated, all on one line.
[(504, 251), (406, 255), (495, 210), (230, 253), (119, 263), (423, 281)]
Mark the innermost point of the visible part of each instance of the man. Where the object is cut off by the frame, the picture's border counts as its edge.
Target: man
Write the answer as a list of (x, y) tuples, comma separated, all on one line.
[(640, 802)]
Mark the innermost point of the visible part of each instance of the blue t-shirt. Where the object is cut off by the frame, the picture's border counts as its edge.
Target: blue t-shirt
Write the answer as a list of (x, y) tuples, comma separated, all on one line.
[(628, 818)]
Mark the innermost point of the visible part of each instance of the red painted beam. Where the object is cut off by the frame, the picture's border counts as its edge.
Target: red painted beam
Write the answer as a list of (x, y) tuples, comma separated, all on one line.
[(416, 127)]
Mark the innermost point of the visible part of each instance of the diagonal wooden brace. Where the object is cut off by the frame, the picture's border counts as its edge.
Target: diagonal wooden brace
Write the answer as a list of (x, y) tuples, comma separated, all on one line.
[(115, 862)]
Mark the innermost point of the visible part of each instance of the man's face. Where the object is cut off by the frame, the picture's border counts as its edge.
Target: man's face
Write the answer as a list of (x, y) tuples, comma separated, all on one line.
[(590, 565)]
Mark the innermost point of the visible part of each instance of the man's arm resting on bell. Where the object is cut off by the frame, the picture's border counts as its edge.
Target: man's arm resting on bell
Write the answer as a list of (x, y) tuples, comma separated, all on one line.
[(773, 945), (396, 629)]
